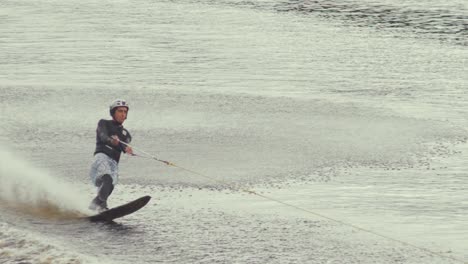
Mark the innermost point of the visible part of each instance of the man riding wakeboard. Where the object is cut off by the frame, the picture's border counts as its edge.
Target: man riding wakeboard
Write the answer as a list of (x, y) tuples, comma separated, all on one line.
[(110, 139)]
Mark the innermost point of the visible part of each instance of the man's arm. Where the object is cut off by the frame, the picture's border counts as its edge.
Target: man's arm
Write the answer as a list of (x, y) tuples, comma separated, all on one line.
[(127, 149)]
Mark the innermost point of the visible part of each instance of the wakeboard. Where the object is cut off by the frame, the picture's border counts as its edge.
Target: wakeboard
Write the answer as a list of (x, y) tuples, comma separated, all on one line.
[(120, 211)]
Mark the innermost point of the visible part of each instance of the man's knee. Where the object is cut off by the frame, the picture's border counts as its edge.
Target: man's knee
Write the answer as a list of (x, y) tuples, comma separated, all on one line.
[(105, 187), (106, 179), (108, 183)]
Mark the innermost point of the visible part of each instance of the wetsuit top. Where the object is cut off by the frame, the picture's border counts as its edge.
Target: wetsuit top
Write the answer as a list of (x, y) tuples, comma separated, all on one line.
[(104, 131)]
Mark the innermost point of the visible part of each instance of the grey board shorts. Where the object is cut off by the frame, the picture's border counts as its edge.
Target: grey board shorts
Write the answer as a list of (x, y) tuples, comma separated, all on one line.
[(102, 165)]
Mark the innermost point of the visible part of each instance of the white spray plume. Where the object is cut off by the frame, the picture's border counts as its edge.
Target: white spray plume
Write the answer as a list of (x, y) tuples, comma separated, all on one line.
[(23, 184)]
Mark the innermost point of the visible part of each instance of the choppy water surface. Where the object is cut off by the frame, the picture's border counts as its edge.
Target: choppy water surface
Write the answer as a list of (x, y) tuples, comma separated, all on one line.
[(445, 22), (351, 110)]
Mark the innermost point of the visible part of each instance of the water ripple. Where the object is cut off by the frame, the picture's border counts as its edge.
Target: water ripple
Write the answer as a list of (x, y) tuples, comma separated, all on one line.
[(446, 25)]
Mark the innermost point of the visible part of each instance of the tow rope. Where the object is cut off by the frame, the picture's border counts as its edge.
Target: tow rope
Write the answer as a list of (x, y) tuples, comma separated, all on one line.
[(149, 156)]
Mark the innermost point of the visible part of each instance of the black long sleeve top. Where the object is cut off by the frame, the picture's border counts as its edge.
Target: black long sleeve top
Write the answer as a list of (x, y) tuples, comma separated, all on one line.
[(104, 131)]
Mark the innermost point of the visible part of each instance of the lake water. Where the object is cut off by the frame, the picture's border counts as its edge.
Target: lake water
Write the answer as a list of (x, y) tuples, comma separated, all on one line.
[(352, 113)]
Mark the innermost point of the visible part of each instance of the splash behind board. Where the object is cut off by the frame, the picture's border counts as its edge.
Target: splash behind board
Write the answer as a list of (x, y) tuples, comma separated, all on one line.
[(120, 211)]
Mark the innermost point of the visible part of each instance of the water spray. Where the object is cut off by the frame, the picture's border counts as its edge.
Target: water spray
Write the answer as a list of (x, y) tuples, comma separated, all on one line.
[(30, 190)]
